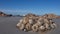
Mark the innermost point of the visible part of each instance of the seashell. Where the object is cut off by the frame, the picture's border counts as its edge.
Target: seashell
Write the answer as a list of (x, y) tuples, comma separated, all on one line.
[(46, 21), (47, 26), (53, 26), (18, 24), (40, 23), (21, 20), (31, 21), (21, 27), (34, 28), (41, 28), (28, 26), (25, 20)]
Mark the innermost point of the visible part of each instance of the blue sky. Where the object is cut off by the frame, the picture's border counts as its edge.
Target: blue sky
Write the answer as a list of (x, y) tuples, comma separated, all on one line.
[(22, 7)]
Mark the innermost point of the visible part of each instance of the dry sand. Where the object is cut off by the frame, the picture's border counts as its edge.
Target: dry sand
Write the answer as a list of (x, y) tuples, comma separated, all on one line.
[(8, 26)]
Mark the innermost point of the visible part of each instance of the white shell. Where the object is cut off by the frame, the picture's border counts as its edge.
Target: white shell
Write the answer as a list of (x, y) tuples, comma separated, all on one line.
[(21, 26), (18, 24), (47, 26), (42, 27), (40, 23), (53, 25), (30, 21), (21, 20), (34, 28)]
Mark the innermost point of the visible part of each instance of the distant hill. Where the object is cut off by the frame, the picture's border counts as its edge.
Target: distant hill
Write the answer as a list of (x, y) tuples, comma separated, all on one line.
[(4, 14), (50, 16), (45, 15)]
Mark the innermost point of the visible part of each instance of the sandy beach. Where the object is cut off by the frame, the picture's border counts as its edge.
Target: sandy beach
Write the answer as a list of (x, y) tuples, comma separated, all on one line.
[(8, 26)]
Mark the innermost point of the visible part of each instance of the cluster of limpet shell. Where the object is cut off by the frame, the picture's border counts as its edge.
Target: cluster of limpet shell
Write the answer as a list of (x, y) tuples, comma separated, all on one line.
[(35, 23)]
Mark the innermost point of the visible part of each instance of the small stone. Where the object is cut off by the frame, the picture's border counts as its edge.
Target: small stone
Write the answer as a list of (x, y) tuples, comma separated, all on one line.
[(25, 30)]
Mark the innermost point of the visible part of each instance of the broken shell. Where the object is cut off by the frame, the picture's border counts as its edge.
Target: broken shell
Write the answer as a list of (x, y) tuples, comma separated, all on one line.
[(47, 26), (53, 25), (21, 27), (21, 21), (28, 27), (31, 21), (18, 25), (46, 21), (41, 28), (25, 20), (40, 23)]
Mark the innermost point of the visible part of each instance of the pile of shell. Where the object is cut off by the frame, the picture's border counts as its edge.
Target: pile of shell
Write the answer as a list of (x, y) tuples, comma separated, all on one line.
[(35, 23)]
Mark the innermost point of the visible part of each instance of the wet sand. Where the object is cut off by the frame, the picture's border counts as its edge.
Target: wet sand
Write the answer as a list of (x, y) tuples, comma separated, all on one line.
[(8, 26)]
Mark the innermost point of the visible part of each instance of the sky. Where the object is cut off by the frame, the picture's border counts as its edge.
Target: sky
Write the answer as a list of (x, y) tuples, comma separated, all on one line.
[(22, 7)]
